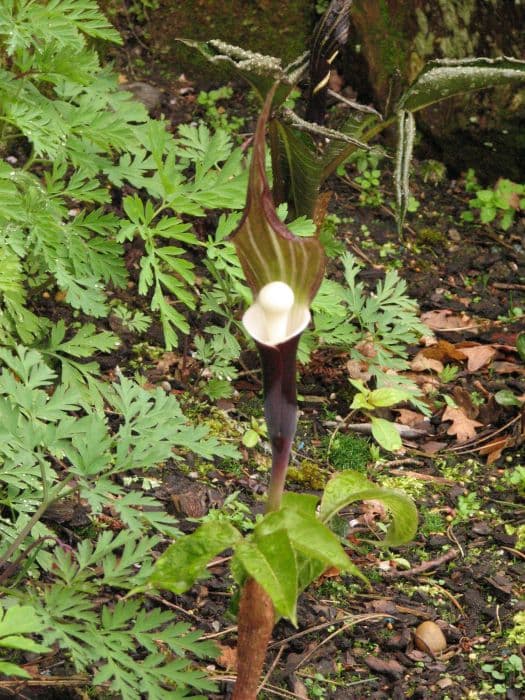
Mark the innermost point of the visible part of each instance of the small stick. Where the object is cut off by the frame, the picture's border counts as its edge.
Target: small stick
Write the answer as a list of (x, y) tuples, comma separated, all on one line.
[(424, 566), (507, 285), (272, 668), (422, 477)]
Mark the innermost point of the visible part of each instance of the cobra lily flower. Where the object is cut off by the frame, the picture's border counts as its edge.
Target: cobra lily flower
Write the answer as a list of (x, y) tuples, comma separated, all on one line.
[(284, 273)]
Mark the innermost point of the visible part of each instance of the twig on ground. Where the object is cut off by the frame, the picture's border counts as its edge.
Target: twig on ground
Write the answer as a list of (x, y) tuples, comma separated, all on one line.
[(423, 567), (452, 537), (402, 461), (354, 619), (422, 477), (507, 285), (446, 593), (272, 668), (515, 552)]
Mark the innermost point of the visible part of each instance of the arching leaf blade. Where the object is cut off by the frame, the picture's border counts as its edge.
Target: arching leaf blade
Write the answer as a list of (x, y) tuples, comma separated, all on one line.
[(444, 78), (349, 487)]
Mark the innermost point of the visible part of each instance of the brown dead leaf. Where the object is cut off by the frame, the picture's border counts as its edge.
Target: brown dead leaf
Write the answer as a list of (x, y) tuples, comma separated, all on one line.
[(494, 448), (421, 363), (357, 369), (426, 382), (478, 356), (432, 446), (443, 350), (167, 361), (372, 511), (227, 658), (463, 427), (331, 572), (508, 368), (463, 400), (445, 319), (408, 417)]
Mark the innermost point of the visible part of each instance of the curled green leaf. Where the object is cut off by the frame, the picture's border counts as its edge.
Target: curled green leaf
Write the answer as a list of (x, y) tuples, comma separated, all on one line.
[(349, 487)]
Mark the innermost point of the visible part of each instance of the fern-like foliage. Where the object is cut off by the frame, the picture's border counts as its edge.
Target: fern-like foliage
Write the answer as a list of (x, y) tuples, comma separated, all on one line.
[(37, 431), (127, 647), (86, 134), (51, 446)]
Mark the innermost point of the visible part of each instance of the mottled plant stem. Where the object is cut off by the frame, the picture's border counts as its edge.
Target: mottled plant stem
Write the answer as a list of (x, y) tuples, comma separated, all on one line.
[(256, 613), (256, 621), (280, 461)]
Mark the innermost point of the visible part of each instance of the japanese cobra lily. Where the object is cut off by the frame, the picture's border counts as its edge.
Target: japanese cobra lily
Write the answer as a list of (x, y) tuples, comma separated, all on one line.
[(284, 273)]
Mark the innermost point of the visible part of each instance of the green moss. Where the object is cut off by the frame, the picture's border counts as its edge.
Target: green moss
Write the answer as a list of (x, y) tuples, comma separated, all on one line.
[(411, 487), (429, 236), (433, 522), (309, 474), (349, 452)]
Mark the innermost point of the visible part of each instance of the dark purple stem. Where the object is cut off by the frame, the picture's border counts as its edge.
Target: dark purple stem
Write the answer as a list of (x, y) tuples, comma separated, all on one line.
[(280, 410)]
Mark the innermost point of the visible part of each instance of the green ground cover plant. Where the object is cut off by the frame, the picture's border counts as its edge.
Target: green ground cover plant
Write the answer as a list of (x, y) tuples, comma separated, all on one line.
[(85, 172)]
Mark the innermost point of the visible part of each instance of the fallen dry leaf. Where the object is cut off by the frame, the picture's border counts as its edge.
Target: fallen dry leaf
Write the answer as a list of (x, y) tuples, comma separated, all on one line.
[(494, 449), (508, 368), (478, 356), (227, 658), (463, 427), (421, 362), (408, 417), (446, 320), (432, 446), (167, 361), (463, 400), (357, 369), (426, 382), (443, 350)]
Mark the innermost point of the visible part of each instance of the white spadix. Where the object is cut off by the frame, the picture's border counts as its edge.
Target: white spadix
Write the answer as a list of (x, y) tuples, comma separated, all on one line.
[(275, 317), (276, 300)]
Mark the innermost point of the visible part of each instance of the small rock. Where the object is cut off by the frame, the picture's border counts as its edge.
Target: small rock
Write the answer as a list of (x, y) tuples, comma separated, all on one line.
[(148, 94), (429, 638)]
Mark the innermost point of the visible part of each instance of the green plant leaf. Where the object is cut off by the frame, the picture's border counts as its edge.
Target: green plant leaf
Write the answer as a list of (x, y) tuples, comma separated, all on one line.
[(348, 487), (406, 129), (270, 560), (261, 72), (441, 79), (300, 170), (506, 397), (186, 559), (386, 434), (304, 503), (250, 438), (388, 396), (9, 669), (310, 537)]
